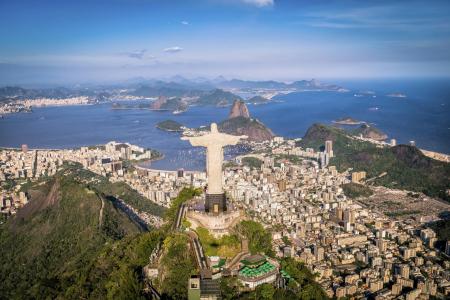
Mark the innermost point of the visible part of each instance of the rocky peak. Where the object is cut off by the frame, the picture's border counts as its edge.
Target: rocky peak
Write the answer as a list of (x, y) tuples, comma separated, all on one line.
[(239, 109), (158, 103)]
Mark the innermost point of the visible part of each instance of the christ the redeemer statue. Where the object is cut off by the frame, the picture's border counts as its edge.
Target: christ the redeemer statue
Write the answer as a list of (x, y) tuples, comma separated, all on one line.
[(214, 143)]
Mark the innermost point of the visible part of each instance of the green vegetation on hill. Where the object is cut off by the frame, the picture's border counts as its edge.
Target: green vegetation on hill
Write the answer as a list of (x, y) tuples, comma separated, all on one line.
[(169, 125), (103, 186), (255, 130), (406, 167), (259, 239), (116, 271), (72, 241), (185, 194), (178, 265), (317, 134), (177, 261), (236, 124), (355, 190), (252, 162), (226, 246), (52, 246)]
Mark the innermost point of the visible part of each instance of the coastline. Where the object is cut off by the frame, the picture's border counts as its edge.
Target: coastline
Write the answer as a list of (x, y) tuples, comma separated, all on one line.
[(137, 163)]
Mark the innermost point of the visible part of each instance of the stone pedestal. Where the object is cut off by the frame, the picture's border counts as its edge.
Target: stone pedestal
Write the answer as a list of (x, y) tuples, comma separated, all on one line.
[(215, 203), (218, 225)]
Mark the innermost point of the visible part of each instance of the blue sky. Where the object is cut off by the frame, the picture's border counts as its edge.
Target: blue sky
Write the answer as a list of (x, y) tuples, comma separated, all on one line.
[(108, 40)]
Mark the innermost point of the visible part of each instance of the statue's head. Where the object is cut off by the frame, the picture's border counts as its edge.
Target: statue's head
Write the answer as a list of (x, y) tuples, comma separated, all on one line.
[(214, 128)]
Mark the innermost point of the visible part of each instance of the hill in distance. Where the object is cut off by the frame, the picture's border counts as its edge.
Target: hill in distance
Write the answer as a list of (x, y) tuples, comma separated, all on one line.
[(171, 104), (217, 97), (406, 167), (170, 125), (258, 100), (240, 123), (367, 131), (239, 109), (300, 85)]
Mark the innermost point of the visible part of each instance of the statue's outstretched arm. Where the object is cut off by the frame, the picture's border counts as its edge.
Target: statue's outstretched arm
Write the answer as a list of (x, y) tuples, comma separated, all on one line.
[(196, 140), (232, 139)]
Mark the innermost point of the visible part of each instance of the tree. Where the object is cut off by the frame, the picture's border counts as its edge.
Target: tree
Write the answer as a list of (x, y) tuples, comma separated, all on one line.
[(229, 287), (265, 291), (178, 266), (303, 280), (260, 240)]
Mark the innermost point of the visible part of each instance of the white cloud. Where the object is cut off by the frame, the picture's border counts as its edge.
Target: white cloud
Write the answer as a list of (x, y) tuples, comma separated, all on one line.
[(259, 3), (184, 23), (173, 49)]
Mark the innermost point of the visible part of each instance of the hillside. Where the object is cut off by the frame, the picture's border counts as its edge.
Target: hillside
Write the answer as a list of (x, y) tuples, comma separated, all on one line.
[(239, 109), (406, 166), (240, 123), (69, 241), (370, 132), (254, 129), (169, 125), (171, 104), (217, 97)]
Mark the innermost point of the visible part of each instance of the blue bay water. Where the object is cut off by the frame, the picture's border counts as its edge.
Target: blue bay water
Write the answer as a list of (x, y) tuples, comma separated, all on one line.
[(423, 116)]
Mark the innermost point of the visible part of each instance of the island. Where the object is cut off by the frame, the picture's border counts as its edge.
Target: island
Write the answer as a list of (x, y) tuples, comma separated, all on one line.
[(174, 104), (348, 121), (170, 125)]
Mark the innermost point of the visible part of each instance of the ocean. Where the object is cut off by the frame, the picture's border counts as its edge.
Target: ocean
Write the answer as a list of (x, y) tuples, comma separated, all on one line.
[(423, 116)]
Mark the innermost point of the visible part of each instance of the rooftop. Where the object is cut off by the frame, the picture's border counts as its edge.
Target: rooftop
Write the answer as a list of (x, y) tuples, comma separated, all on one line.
[(261, 270)]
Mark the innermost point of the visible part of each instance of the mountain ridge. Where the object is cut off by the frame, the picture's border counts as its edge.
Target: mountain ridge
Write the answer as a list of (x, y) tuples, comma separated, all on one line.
[(405, 166)]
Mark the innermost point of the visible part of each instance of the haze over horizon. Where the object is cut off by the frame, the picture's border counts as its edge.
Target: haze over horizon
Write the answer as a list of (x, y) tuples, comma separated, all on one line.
[(105, 41)]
